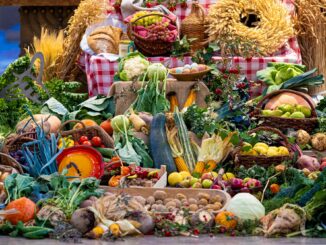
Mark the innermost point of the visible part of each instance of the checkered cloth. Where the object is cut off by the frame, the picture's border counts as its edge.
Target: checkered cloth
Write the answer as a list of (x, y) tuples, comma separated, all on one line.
[(100, 71)]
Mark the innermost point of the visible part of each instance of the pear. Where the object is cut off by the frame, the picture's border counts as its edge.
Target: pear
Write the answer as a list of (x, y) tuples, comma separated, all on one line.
[(261, 144), (305, 110), (286, 108), (277, 113), (283, 151), (272, 151), (266, 112), (297, 114), (261, 150), (286, 115)]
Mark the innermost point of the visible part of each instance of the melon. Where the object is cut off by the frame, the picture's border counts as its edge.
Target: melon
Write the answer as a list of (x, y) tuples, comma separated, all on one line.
[(287, 98)]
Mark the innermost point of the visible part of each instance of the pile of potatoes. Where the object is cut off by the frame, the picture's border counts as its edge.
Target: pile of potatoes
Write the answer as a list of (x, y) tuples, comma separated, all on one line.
[(160, 202)]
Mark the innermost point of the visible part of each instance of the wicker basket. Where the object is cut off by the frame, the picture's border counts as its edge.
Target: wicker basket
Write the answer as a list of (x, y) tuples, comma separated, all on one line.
[(13, 165), (87, 131), (146, 47), (263, 161), (194, 26), (189, 76), (308, 124)]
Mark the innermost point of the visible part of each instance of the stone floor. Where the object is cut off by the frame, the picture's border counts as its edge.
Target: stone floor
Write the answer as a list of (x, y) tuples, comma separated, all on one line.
[(149, 240)]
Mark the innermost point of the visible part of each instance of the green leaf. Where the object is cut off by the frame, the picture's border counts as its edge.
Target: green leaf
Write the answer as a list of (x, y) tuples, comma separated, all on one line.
[(54, 106)]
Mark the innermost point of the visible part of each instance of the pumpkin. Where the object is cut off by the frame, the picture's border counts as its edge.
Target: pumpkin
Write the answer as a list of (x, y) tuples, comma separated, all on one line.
[(50, 123), (87, 122), (286, 98), (226, 219), (26, 210)]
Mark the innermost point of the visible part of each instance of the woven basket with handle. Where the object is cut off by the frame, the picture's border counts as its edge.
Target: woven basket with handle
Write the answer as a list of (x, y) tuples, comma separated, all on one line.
[(90, 132), (308, 124), (194, 26), (264, 161), (148, 47)]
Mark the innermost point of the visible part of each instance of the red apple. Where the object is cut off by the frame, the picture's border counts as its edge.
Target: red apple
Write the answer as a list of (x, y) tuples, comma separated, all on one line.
[(216, 187), (207, 176)]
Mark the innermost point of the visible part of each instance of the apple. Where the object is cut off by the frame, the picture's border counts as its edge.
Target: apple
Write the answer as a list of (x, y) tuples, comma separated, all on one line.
[(215, 175), (236, 183), (252, 183), (196, 185), (216, 187), (209, 176), (245, 180), (193, 181), (185, 183), (322, 166), (207, 183)]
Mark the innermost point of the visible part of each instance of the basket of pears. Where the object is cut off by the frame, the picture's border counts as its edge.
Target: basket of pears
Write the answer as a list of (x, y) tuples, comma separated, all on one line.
[(285, 109), (264, 150)]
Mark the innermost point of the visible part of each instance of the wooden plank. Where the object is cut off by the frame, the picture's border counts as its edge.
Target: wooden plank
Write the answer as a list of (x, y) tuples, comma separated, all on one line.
[(39, 2)]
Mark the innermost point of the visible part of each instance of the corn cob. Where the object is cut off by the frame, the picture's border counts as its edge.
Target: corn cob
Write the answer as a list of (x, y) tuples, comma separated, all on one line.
[(181, 164)]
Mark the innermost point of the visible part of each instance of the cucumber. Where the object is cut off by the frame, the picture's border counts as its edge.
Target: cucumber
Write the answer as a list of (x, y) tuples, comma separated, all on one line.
[(106, 152), (158, 144)]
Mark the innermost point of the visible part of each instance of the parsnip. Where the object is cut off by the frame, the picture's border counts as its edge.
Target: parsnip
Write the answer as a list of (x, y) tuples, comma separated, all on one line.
[(138, 123)]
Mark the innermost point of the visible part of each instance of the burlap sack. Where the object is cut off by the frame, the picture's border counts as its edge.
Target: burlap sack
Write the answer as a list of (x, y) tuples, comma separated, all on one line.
[(125, 93)]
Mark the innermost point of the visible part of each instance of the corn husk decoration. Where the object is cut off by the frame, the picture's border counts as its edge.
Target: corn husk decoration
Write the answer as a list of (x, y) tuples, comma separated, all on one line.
[(249, 28)]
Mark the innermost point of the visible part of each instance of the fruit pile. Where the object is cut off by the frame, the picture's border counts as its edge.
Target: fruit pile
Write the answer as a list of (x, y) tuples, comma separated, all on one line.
[(263, 149), (289, 111), (193, 68), (146, 21)]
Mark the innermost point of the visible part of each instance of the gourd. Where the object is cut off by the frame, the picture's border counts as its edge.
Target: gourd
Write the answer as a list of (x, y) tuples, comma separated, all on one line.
[(226, 219), (159, 147)]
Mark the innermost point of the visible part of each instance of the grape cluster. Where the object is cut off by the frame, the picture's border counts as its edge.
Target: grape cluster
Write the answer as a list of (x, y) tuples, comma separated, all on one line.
[(158, 31)]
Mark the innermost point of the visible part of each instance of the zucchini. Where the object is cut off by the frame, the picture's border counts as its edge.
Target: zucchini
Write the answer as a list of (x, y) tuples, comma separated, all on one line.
[(158, 144), (106, 152), (189, 155)]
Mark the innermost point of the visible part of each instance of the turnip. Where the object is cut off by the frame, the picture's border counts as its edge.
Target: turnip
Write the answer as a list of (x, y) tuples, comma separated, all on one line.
[(83, 220)]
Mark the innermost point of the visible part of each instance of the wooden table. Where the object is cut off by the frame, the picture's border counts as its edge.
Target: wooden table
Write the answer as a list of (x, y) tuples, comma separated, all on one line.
[(52, 14)]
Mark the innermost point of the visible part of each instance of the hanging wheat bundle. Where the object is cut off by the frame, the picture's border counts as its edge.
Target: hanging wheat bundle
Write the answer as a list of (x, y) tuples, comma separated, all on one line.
[(311, 26), (249, 28), (87, 13)]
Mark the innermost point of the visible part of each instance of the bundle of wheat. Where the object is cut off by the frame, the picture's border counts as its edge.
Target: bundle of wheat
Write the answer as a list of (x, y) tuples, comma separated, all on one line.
[(257, 27), (87, 13), (311, 26)]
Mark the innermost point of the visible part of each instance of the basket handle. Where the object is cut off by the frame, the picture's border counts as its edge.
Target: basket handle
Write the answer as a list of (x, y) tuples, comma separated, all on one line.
[(274, 130), (198, 10), (16, 163), (11, 142), (269, 96), (71, 121)]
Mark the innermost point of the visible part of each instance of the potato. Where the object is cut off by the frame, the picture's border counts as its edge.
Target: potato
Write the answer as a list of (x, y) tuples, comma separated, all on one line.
[(202, 195), (215, 199), (218, 205), (161, 208), (200, 206), (171, 204), (160, 195), (192, 201), (193, 207), (150, 200), (203, 202), (141, 200), (167, 200), (177, 202), (159, 202), (180, 196)]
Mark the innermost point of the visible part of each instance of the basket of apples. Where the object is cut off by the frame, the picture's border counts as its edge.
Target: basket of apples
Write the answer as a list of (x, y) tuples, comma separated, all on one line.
[(152, 32)]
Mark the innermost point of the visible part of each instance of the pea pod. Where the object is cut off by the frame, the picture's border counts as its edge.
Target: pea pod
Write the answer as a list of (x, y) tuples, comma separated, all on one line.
[(38, 234)]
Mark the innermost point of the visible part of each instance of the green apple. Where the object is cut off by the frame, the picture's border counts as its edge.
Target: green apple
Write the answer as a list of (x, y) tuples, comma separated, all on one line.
[(297, 114), (305, 110), (193, 181), (286, 114), (196, 185), (207, 183), (185, 183)]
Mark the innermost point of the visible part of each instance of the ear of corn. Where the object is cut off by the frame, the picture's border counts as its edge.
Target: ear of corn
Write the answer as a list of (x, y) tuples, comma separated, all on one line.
[(173, 102), (181, 164), (199, 168), (191, 98), (210, 166)]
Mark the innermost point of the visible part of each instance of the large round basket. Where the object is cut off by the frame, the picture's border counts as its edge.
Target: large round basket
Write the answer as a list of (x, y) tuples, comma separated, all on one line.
[(90, 132), (13, 167), (261, 160), (308, 124), (145, 46)]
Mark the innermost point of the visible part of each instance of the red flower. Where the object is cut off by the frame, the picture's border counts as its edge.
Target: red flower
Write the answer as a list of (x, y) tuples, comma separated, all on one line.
[(167, 233), (184, 5), (241, 85), (218, 91), (196, 232), (172, 8), (149, 5)]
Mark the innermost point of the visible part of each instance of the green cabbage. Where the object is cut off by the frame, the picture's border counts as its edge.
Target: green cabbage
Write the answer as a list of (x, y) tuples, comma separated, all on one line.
[(245, 206)]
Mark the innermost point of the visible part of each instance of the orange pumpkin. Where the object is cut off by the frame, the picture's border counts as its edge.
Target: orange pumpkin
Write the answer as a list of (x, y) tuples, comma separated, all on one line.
[(115, 181), (226, 219), (26, 210), (87, 122)]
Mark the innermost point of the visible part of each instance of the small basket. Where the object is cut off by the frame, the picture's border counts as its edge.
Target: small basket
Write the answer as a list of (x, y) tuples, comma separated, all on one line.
[(189, 76), (90, 132), (146, 47), (308, 124), (13, 167), (194, 26), (264, 161)]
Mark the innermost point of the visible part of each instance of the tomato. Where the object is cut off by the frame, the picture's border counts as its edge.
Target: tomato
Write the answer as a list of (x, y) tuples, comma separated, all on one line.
[(82, 139), (275, 188), (87, 142), (96, 141)]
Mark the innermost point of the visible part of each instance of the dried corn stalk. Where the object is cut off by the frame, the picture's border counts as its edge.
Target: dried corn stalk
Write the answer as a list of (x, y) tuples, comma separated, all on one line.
[(87, 13), (249, 28), (311, 26), (50, 44)]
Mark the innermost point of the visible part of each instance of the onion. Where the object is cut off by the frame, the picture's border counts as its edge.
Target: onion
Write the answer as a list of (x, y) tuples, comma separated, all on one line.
[(308, 162)]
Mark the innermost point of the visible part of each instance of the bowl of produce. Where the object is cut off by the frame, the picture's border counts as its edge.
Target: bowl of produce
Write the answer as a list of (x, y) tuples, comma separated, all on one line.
[(191, 72), (81, 162)]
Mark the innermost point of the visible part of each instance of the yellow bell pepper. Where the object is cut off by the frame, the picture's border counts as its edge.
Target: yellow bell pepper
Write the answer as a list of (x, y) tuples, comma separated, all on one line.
[(66, 142)]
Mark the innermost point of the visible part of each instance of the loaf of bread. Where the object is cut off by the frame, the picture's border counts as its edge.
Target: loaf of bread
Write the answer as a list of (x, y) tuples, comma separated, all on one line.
[(105, 40)]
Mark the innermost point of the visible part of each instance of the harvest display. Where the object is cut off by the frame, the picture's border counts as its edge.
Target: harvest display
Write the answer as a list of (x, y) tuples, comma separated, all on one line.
[(173, 163)]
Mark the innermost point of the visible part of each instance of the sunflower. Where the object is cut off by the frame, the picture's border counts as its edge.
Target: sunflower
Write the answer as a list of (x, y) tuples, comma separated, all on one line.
[(249, 28)]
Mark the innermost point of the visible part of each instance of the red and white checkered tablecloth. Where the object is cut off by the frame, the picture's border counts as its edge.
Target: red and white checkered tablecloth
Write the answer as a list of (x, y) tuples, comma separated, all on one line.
[(100, 71)]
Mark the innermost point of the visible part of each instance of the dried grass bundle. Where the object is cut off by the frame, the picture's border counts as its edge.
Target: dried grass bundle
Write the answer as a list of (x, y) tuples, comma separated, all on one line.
[(265, 24), (51, 45), (311, 26), (87, 13)]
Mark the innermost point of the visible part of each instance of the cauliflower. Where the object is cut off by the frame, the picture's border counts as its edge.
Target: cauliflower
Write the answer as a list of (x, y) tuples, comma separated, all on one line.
[(132, 66)]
